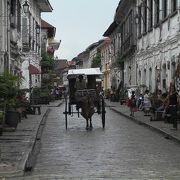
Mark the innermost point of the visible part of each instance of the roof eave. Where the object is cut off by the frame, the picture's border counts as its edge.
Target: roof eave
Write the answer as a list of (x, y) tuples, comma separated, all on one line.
[(110, 29), (44, 5)]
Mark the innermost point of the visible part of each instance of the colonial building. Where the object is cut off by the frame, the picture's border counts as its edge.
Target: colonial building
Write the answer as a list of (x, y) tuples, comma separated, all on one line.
[(111, 55), (31, 42), (82, 60), (10, 35), (60, 65), (105, 62), (124, 17), (157, 43)]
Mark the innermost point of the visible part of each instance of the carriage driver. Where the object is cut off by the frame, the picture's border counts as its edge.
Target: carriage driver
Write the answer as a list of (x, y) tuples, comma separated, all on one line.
[(80, 84)]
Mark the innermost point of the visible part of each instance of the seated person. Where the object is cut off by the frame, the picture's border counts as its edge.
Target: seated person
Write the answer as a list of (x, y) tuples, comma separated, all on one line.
[(80, 84), (163, 102)]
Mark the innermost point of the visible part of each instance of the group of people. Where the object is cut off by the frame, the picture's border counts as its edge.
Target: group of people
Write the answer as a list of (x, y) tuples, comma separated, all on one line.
[(57, 92), (142, 102), (166, 102)]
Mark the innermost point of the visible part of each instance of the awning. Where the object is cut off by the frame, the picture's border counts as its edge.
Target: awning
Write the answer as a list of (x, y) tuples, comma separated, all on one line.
[(33, 70), (87, 71)]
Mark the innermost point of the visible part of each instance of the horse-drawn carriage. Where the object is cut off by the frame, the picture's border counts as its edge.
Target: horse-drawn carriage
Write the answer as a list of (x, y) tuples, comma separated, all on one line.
[(87, 99)]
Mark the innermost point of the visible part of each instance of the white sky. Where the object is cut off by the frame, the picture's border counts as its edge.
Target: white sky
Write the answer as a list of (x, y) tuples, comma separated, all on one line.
[(79, 23)]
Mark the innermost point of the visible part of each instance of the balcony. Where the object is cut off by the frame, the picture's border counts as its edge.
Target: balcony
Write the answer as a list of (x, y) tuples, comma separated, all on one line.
[(128, 46)]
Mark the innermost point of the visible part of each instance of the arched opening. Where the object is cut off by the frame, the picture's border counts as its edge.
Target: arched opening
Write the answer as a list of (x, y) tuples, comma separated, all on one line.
[(139, 77), (150, 79), (173, 69), (144, 77), (164, 87)]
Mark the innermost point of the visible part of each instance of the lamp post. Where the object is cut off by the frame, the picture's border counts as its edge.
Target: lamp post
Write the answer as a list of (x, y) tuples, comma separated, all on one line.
[(26, 8), (37, 29)]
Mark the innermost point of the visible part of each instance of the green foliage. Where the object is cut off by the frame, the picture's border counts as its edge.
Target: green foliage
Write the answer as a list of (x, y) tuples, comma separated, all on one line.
[(36, 92), (1, 117), (96, 62), (40, 92), (45, 93), (47, 62), (9, 88)]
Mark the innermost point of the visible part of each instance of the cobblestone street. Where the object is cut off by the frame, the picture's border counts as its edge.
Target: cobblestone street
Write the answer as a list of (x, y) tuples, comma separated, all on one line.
[(124, 150)]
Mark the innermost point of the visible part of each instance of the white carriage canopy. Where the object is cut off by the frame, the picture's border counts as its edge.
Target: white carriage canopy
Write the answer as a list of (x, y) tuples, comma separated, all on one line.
[(72, 73)]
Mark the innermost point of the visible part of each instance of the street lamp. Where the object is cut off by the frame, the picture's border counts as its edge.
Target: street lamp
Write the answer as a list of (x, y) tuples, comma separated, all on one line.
[(26, 7), (37, 29)]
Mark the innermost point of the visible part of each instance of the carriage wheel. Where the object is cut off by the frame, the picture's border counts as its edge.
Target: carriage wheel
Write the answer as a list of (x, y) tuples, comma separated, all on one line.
[(103, 111), (66, 106)]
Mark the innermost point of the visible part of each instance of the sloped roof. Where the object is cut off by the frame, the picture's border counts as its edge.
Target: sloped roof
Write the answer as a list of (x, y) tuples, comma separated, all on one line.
[(45, 24), (60, 64), (44, 5), (110, 29), (51, 29), (33, 69)]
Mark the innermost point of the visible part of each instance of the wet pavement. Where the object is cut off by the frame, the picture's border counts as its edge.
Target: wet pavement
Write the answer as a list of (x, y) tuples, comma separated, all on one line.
[(16, 146), (165, 129), (123, 150)]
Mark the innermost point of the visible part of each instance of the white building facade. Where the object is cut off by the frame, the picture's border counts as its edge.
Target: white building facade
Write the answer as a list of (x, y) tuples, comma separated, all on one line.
[(158, 43), (31, 42)]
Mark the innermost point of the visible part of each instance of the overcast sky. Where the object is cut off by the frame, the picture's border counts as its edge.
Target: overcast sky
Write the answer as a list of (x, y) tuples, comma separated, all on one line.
[(79, 23)]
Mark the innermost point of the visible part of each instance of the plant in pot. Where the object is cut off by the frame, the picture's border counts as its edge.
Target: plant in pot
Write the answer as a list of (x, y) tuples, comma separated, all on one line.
[(35, 95), (1, 122), (3, 94), (45, 96), (22, 103), (10, 83)]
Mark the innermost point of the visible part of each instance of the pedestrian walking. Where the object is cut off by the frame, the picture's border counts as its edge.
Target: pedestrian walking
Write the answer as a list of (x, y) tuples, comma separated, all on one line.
[(147, 103), (132, 104)]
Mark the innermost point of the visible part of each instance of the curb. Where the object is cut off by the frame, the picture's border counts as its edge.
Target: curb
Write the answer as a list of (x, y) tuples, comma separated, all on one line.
[(27, 153), (160, 131), (30, 160)]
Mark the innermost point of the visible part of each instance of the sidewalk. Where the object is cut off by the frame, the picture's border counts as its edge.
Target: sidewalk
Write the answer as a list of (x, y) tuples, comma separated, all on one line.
[(15, 147), (159, 126)]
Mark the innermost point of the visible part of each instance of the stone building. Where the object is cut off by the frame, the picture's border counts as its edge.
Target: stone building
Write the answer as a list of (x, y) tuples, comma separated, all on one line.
[(10, 35), (124, 17), (115, 73), (31, 42), (105, 62), (158, 42)]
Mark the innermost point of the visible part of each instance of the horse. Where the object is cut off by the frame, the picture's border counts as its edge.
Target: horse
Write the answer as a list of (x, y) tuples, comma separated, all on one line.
[(87, 110)]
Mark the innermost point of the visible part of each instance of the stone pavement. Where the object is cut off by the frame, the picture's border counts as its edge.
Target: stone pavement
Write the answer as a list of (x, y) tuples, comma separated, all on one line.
[(159, 126), (16, 147)]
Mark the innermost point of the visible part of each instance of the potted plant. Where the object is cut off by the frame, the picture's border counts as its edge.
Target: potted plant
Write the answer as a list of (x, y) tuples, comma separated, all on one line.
[(22, 103), (35, 95), (8, 92), (44, 96), (1, 122)]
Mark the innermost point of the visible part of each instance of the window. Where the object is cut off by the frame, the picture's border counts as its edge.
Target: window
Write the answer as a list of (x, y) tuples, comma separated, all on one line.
[(13, 7), (19, 16), (157, 11), (139, 20), (164, 6), (130, 23), (145, 16), (173, 5), (150, 23)]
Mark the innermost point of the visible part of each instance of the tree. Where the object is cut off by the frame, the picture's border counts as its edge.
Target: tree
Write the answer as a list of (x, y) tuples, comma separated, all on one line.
[(96, 62), (47, 62)]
